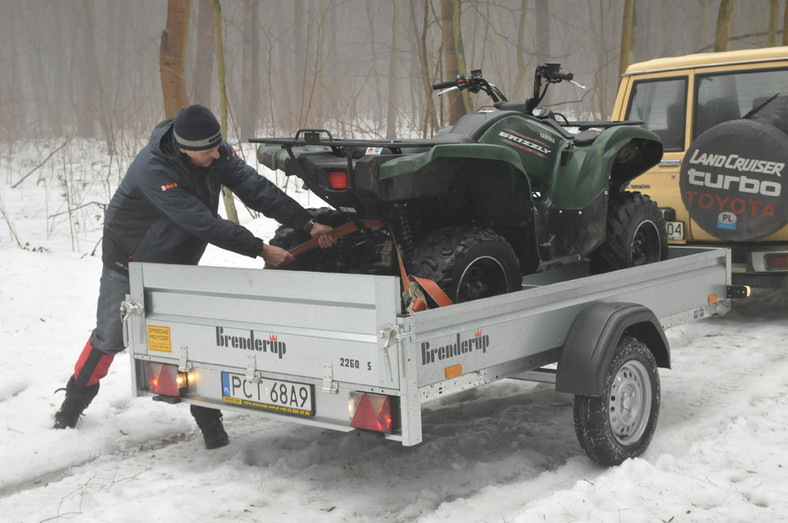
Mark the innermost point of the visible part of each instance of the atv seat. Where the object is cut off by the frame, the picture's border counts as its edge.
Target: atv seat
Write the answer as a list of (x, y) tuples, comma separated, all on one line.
[(586, 137)]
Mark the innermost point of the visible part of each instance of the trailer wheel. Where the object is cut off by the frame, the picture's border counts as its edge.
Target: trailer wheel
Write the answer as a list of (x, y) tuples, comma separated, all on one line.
[(635, 234), (620, 423), (467, 264)]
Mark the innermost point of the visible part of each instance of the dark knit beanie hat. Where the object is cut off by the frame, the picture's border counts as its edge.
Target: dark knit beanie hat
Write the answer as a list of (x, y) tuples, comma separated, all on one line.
[(196, 129)]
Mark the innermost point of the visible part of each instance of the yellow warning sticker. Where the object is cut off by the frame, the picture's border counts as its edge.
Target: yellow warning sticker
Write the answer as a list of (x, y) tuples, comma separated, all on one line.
[(159, 338)]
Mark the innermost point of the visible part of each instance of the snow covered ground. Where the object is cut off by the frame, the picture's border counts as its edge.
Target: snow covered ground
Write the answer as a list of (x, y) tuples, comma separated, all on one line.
[(504, 453)]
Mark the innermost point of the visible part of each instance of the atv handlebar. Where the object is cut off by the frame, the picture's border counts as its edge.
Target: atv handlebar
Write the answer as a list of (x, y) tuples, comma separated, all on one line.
[(545, 74), (443, 85), (473, 83), (551, 73)]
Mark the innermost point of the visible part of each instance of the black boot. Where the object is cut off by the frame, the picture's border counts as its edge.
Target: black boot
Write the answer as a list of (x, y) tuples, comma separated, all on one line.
[(210, 423), (77, 400)]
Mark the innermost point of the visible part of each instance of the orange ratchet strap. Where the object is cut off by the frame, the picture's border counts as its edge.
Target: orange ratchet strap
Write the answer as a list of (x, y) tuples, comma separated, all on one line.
[(336, 233), (414, 286)]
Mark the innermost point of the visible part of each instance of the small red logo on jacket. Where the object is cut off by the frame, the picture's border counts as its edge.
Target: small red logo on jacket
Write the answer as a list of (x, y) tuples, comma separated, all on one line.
[(169, 186)]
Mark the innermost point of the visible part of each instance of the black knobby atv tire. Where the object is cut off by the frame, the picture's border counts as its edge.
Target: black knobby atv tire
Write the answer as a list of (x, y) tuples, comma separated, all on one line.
[(467, 264), (620, 424), (635, 234), (319, 260)]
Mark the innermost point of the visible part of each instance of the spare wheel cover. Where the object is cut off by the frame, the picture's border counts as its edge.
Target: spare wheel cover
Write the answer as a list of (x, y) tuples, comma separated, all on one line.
[(732, 180)]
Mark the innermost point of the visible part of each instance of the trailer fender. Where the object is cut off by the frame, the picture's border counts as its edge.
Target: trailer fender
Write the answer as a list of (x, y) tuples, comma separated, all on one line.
[(592, 340)]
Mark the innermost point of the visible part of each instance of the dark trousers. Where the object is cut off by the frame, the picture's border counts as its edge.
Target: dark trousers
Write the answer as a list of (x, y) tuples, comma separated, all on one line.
[(106, 340)]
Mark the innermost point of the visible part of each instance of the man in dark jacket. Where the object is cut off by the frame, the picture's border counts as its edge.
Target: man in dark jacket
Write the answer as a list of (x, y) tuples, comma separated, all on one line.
[(165, 211)]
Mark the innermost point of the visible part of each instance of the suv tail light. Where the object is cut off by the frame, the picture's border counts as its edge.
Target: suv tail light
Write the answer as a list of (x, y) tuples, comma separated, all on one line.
[(776, 261)]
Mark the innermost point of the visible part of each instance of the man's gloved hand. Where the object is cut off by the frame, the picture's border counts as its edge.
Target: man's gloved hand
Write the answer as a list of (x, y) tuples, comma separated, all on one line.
[(275, 257), (322, 233)]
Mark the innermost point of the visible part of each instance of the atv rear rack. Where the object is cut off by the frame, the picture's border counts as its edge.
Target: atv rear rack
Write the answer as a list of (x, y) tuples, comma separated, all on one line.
[(312, 137)]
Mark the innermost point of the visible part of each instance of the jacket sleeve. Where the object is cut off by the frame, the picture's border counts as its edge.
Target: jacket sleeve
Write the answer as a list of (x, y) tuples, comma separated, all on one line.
[(186, 211), (261, 194)]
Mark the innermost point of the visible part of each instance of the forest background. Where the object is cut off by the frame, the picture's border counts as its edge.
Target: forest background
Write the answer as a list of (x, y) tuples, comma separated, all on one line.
[(105, 72)]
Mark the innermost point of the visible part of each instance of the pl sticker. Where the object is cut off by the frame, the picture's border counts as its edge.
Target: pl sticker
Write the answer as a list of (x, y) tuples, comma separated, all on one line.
[(726, 220)]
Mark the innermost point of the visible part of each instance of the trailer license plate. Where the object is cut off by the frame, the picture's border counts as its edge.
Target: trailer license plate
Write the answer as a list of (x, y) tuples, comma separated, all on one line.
[(285, 397)]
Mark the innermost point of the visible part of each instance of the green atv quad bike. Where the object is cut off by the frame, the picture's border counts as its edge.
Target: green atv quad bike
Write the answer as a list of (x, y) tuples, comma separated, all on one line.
[(503, 193)]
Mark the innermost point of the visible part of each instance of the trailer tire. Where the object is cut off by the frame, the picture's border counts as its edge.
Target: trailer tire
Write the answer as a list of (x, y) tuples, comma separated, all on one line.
[(620, 424), (467, 264), (635, 234)]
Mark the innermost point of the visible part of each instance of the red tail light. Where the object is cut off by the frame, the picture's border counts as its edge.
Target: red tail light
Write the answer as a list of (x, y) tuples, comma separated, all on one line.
[(371, 412), (337, 180), (776, 262), (165, 379)]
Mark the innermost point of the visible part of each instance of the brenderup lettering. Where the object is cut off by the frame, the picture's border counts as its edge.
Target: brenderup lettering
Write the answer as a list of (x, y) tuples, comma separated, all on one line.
[(251, 342), (430, 354)]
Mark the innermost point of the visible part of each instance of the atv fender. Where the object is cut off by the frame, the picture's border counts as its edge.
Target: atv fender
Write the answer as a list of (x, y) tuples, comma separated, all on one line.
[(430, 172), (616, 156), (628, 152), (462, 151), (593, 338)]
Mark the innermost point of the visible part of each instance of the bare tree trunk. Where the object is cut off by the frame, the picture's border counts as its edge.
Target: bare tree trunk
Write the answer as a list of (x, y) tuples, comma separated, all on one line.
[(521, 54), (543, 52), (376, 110), (600, 94), (227, 195), (430, 118), (256, 101), (785, 25), (626, 37), (774, 13), (172, 57), (460, 52), (391, 109), (202, 75), (96, 101), (451, 55), (724, 21), (250, 72), (300, 59), (86, 90)]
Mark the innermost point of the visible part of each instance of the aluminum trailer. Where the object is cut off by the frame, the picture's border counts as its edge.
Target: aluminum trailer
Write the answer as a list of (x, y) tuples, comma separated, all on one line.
[(336, 350)]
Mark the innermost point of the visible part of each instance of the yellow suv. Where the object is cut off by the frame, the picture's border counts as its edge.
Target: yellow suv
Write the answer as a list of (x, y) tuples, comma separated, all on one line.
[(723, 120)]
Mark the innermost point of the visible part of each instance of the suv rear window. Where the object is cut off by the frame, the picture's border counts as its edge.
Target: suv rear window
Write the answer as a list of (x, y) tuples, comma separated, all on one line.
[(727, 96), (661, 105)]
